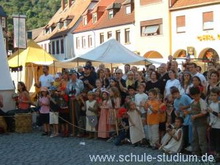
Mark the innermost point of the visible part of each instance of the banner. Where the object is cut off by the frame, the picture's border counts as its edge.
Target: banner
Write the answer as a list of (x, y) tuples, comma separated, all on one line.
[(19, 31)]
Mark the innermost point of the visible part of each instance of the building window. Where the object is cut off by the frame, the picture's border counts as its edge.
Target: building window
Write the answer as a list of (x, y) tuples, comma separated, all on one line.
[(128, 9), (110, 14), (180, 24), (118, 35), (53, 47), (94, 17), (85, 20), (83, 42), (127, 36), (66, 23), (50, 48), (62, 45), (59, 25), (101, 37), (45, 47), (57, 47), (147, 2), (208, 23), (109, 35), (89, 41), (77, 43), (3, 22), (151, 27)]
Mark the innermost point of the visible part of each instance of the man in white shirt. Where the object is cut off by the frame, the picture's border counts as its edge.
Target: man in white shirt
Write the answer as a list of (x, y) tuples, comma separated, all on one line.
[(45, 80)]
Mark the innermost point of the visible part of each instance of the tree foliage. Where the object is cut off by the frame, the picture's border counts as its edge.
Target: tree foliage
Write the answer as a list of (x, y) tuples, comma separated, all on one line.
[(38, 12)]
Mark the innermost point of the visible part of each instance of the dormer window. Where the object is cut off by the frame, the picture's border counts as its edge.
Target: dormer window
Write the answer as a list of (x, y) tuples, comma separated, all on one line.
[(85, 20), (110, 14), (113, 9), (59, 25), (66, 23), (128, 9), (94, 18), (129, 6)]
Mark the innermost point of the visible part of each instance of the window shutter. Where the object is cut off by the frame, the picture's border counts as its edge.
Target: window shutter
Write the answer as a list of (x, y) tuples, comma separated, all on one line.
[(180, 21)]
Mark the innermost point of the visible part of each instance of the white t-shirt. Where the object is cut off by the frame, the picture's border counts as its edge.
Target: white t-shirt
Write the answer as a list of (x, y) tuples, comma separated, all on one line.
[(139, 98), (171, 83), (214, 120), (46, 80)]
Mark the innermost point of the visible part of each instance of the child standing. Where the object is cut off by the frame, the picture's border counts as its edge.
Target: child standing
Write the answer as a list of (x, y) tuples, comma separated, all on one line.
[(54, 111), (135, 123), (44, 103), (64, 113), (91, 114), (115, 105), (104, 114), (199, 122), (140, 99), (152, 107), (214, 111)]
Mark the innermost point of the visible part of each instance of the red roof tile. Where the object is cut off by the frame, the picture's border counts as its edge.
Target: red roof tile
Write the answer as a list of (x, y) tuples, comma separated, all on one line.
[(190, 3), (100, 7), (120, 18)]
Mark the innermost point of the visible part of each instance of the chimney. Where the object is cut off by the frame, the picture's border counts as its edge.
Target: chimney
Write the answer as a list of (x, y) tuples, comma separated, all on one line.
[(69, 3), (62, 4)]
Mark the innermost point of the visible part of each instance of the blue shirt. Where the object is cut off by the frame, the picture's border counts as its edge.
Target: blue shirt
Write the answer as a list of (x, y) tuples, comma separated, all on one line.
[(184, 100)]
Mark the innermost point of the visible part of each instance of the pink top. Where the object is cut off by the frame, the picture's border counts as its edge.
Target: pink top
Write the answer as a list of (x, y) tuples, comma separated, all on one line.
[(44, 108), (21, 104)]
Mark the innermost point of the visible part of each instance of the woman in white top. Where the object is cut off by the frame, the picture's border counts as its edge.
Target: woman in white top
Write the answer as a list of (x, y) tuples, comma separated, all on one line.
[(172, 82)]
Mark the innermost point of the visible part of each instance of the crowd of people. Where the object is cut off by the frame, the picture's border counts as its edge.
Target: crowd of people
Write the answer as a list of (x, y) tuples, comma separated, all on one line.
[(162, 108)]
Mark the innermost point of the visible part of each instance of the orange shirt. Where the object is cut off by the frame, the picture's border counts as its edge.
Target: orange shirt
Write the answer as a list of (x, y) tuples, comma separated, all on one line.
[(153, 118)]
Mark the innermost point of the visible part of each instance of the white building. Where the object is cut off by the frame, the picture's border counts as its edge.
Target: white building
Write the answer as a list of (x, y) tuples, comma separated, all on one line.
[(196, 29), (108, 19), (152, 28), (56, 36)]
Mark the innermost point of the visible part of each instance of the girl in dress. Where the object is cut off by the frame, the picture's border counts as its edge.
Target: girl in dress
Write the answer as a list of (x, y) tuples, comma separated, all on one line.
[(135, 124), (104, 115)]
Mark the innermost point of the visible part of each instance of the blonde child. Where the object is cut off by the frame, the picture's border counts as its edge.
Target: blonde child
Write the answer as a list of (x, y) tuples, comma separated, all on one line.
[(91, 115), (135, 124), (152, 108)]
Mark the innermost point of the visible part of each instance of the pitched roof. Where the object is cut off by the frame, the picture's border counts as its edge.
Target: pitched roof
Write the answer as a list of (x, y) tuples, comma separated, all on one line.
[(73, 13), (192, 3), (2, 12), (99, 7), (120, 18)]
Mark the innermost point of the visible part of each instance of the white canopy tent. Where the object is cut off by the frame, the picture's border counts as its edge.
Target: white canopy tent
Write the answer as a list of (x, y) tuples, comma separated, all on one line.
[(6, 84), (110, 52)]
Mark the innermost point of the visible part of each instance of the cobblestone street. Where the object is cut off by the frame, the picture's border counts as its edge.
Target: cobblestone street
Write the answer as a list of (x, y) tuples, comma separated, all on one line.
[(34, 149)]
